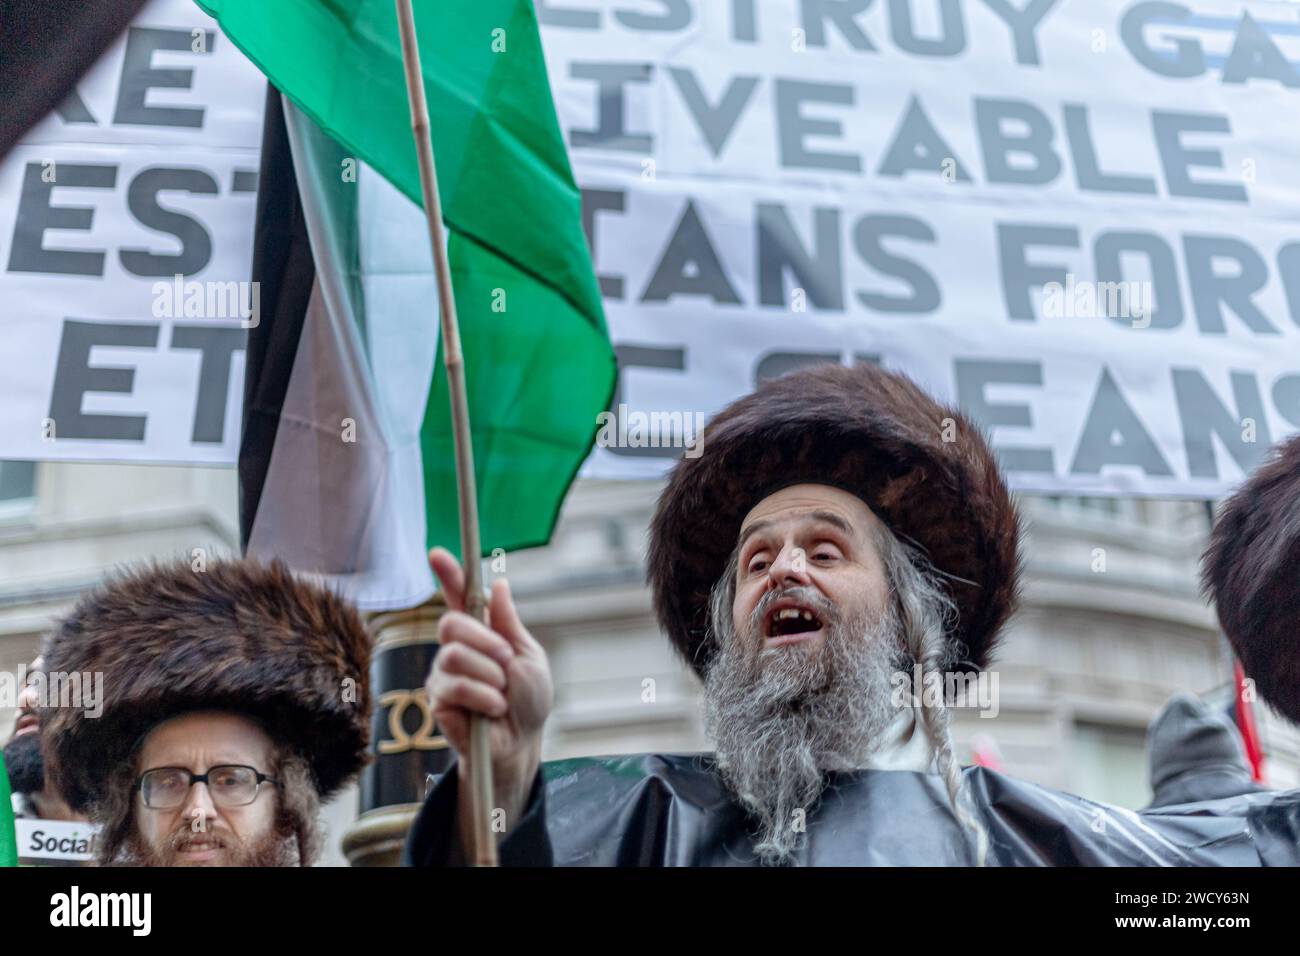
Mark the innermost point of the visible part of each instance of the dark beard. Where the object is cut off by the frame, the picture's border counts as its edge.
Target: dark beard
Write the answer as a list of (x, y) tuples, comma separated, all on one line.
[(275, 849), (784, 717), (25, 764)]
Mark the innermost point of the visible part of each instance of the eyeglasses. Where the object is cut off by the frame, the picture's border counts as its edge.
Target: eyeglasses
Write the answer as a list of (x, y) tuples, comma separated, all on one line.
[(231, 785)]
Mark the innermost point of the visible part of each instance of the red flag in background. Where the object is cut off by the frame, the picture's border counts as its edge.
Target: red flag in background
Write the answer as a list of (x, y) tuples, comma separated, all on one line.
[(984, 752), (1245, 712)]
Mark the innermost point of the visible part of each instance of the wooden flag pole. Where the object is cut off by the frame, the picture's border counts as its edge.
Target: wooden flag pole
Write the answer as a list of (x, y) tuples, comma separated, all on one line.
[(485, 848)]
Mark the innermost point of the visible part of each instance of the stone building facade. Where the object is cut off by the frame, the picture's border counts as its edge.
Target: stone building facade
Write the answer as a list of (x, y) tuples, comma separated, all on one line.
[(1112, 621)]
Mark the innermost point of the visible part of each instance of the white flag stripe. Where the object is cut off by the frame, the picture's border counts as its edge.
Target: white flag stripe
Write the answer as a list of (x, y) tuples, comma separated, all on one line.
[(344, 493)]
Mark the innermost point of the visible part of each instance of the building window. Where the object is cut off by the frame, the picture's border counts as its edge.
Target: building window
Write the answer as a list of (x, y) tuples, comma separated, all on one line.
[(17, 486), (1107, 509), (1110, 764)]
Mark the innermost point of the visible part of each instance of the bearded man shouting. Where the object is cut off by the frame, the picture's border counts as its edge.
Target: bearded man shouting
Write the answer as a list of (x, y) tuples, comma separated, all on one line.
[(840, 533)]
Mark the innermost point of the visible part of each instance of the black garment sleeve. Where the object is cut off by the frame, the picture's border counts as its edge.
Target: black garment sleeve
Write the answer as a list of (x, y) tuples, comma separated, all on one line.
[(434, 839)]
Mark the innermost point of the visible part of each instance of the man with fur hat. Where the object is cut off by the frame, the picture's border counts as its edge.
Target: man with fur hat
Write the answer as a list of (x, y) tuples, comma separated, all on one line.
[(235, 699), (1252, 571), (840, 530)]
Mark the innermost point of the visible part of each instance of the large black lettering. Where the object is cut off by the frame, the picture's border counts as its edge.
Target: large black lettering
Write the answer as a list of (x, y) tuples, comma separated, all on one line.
[(690, 265), (139, 76), (217, 344), (36, 214), (74, 376), (142, 200)]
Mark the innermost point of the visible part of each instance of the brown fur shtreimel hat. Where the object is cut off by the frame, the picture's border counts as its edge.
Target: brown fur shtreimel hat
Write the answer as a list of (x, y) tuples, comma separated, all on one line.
[(239, 636), (1252, 571), (923, 467)]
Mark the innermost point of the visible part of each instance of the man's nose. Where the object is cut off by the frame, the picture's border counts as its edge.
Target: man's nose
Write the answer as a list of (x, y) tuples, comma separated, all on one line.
[(27, 699), (789, 568), (198, 803)]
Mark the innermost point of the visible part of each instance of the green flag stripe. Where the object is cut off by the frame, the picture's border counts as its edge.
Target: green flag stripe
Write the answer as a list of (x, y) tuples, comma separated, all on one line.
[(534, 391), (503, 170), (8, 839)]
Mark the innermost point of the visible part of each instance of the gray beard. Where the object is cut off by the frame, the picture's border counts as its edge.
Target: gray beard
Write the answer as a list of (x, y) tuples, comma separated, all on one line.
[(782, 718)]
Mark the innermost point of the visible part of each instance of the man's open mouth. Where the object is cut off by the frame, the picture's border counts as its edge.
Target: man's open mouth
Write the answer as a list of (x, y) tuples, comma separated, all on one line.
[(789, 620), (27, 724)]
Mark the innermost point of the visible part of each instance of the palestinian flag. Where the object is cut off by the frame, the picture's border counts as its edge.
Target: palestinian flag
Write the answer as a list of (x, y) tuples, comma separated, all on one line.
[(347, 467)]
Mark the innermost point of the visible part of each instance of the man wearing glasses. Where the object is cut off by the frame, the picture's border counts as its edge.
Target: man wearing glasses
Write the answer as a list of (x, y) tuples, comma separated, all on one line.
[(200, 799), (236, 699)]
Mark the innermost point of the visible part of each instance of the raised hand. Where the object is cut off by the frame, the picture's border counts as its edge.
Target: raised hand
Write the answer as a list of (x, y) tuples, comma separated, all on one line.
[(498, 670)]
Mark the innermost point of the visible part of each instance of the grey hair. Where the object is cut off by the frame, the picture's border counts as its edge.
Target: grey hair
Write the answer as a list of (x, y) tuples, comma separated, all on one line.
[(927, 615)]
